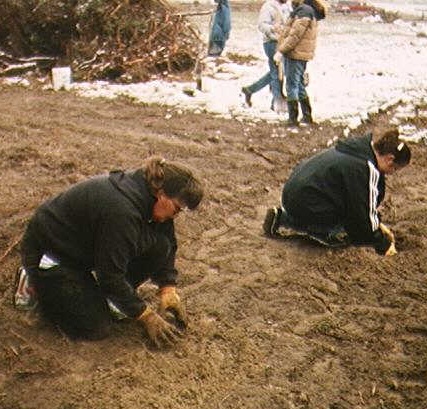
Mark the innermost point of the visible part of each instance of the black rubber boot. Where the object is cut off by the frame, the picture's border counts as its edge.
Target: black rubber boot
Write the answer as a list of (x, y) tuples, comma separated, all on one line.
[(293, 113), (306, 111)]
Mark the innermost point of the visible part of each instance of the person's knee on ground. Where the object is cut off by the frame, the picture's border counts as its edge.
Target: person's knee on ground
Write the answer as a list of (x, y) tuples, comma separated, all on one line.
[(73, 301)]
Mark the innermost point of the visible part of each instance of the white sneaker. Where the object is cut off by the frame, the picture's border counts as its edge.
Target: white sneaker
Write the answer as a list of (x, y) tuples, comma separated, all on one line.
[(115, 312), (25, 295)]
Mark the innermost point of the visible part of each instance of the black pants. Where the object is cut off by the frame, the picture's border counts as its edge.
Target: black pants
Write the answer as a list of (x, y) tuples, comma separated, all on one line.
[(331, 234), (74, 301), (72, 298)]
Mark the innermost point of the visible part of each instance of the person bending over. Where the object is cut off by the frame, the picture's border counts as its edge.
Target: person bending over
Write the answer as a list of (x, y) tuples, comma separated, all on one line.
[(333, 197), (94, 244)]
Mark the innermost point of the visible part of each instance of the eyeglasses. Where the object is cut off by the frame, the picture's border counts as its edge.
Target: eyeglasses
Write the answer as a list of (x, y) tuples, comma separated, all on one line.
[(177, 206)]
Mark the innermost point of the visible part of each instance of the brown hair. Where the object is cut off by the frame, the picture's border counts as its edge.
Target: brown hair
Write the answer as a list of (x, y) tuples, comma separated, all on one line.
[(389, 143), (175, 180)]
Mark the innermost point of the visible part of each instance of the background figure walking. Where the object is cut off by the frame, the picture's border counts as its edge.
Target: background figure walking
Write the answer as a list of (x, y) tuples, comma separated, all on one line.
[(271, 22), (297, 43), (220, 28)]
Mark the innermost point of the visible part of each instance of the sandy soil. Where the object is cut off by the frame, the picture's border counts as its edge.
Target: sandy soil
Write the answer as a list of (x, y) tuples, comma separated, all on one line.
[(274, 324)]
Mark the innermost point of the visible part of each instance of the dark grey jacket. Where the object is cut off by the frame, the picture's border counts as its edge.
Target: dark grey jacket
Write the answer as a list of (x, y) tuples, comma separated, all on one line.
[(340, 186), (103, 225)]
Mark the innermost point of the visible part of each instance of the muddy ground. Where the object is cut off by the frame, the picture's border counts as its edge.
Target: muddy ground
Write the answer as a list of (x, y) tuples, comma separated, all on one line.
[(273, 324)]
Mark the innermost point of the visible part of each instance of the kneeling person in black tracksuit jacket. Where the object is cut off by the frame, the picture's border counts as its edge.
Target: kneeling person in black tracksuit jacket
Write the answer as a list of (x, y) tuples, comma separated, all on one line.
[(94, 244), (333, 197)]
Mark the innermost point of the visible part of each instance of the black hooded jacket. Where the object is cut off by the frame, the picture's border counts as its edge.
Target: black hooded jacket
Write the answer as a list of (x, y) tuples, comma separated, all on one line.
[(102, 225), (340, 186)]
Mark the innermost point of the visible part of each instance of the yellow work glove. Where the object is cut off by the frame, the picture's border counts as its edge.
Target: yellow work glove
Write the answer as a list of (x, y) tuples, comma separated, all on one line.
[(391, 250), (387, 232), (160, 331), (170, 302)]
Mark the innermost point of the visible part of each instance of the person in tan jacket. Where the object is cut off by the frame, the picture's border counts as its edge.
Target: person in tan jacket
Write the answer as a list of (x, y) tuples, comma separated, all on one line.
[(297, 44)]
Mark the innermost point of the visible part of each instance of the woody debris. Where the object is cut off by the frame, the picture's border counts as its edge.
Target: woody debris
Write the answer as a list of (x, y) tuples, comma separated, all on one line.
[(116, 40)]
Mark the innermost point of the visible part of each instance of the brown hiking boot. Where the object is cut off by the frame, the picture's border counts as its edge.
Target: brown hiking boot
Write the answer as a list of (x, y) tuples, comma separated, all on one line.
[(248, 95)]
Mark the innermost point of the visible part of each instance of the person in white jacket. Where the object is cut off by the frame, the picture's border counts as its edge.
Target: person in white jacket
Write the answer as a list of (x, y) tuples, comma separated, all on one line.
[(271, 22)]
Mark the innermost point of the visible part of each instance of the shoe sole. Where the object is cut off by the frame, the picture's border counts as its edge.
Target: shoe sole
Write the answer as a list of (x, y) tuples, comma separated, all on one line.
[(269, 222), (287, 233), (20, 300)]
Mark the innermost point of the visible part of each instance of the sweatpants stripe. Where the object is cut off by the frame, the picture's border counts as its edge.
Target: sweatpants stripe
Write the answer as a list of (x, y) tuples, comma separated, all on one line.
[(374, 176)]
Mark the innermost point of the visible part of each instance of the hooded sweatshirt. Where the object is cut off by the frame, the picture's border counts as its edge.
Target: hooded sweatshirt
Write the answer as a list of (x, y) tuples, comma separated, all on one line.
[(103, 225), (341, 186), (299, 37)]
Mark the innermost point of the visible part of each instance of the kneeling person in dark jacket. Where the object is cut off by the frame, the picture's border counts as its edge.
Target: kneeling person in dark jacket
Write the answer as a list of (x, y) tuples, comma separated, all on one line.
[(333, 197), (94, 244)]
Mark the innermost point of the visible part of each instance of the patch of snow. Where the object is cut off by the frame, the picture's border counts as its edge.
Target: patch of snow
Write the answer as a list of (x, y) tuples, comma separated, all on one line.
[(362, 66)]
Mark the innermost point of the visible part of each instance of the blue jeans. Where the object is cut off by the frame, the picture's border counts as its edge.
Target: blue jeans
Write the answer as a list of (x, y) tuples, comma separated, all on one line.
[(272, 77), (294, 72)]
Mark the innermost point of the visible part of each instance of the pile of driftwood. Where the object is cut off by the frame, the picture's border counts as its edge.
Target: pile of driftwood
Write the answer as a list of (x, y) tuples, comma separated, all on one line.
[(119, 40)]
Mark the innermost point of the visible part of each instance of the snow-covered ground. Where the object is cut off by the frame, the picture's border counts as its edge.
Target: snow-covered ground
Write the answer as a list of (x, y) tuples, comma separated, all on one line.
[(417, 8), (361, 65)]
